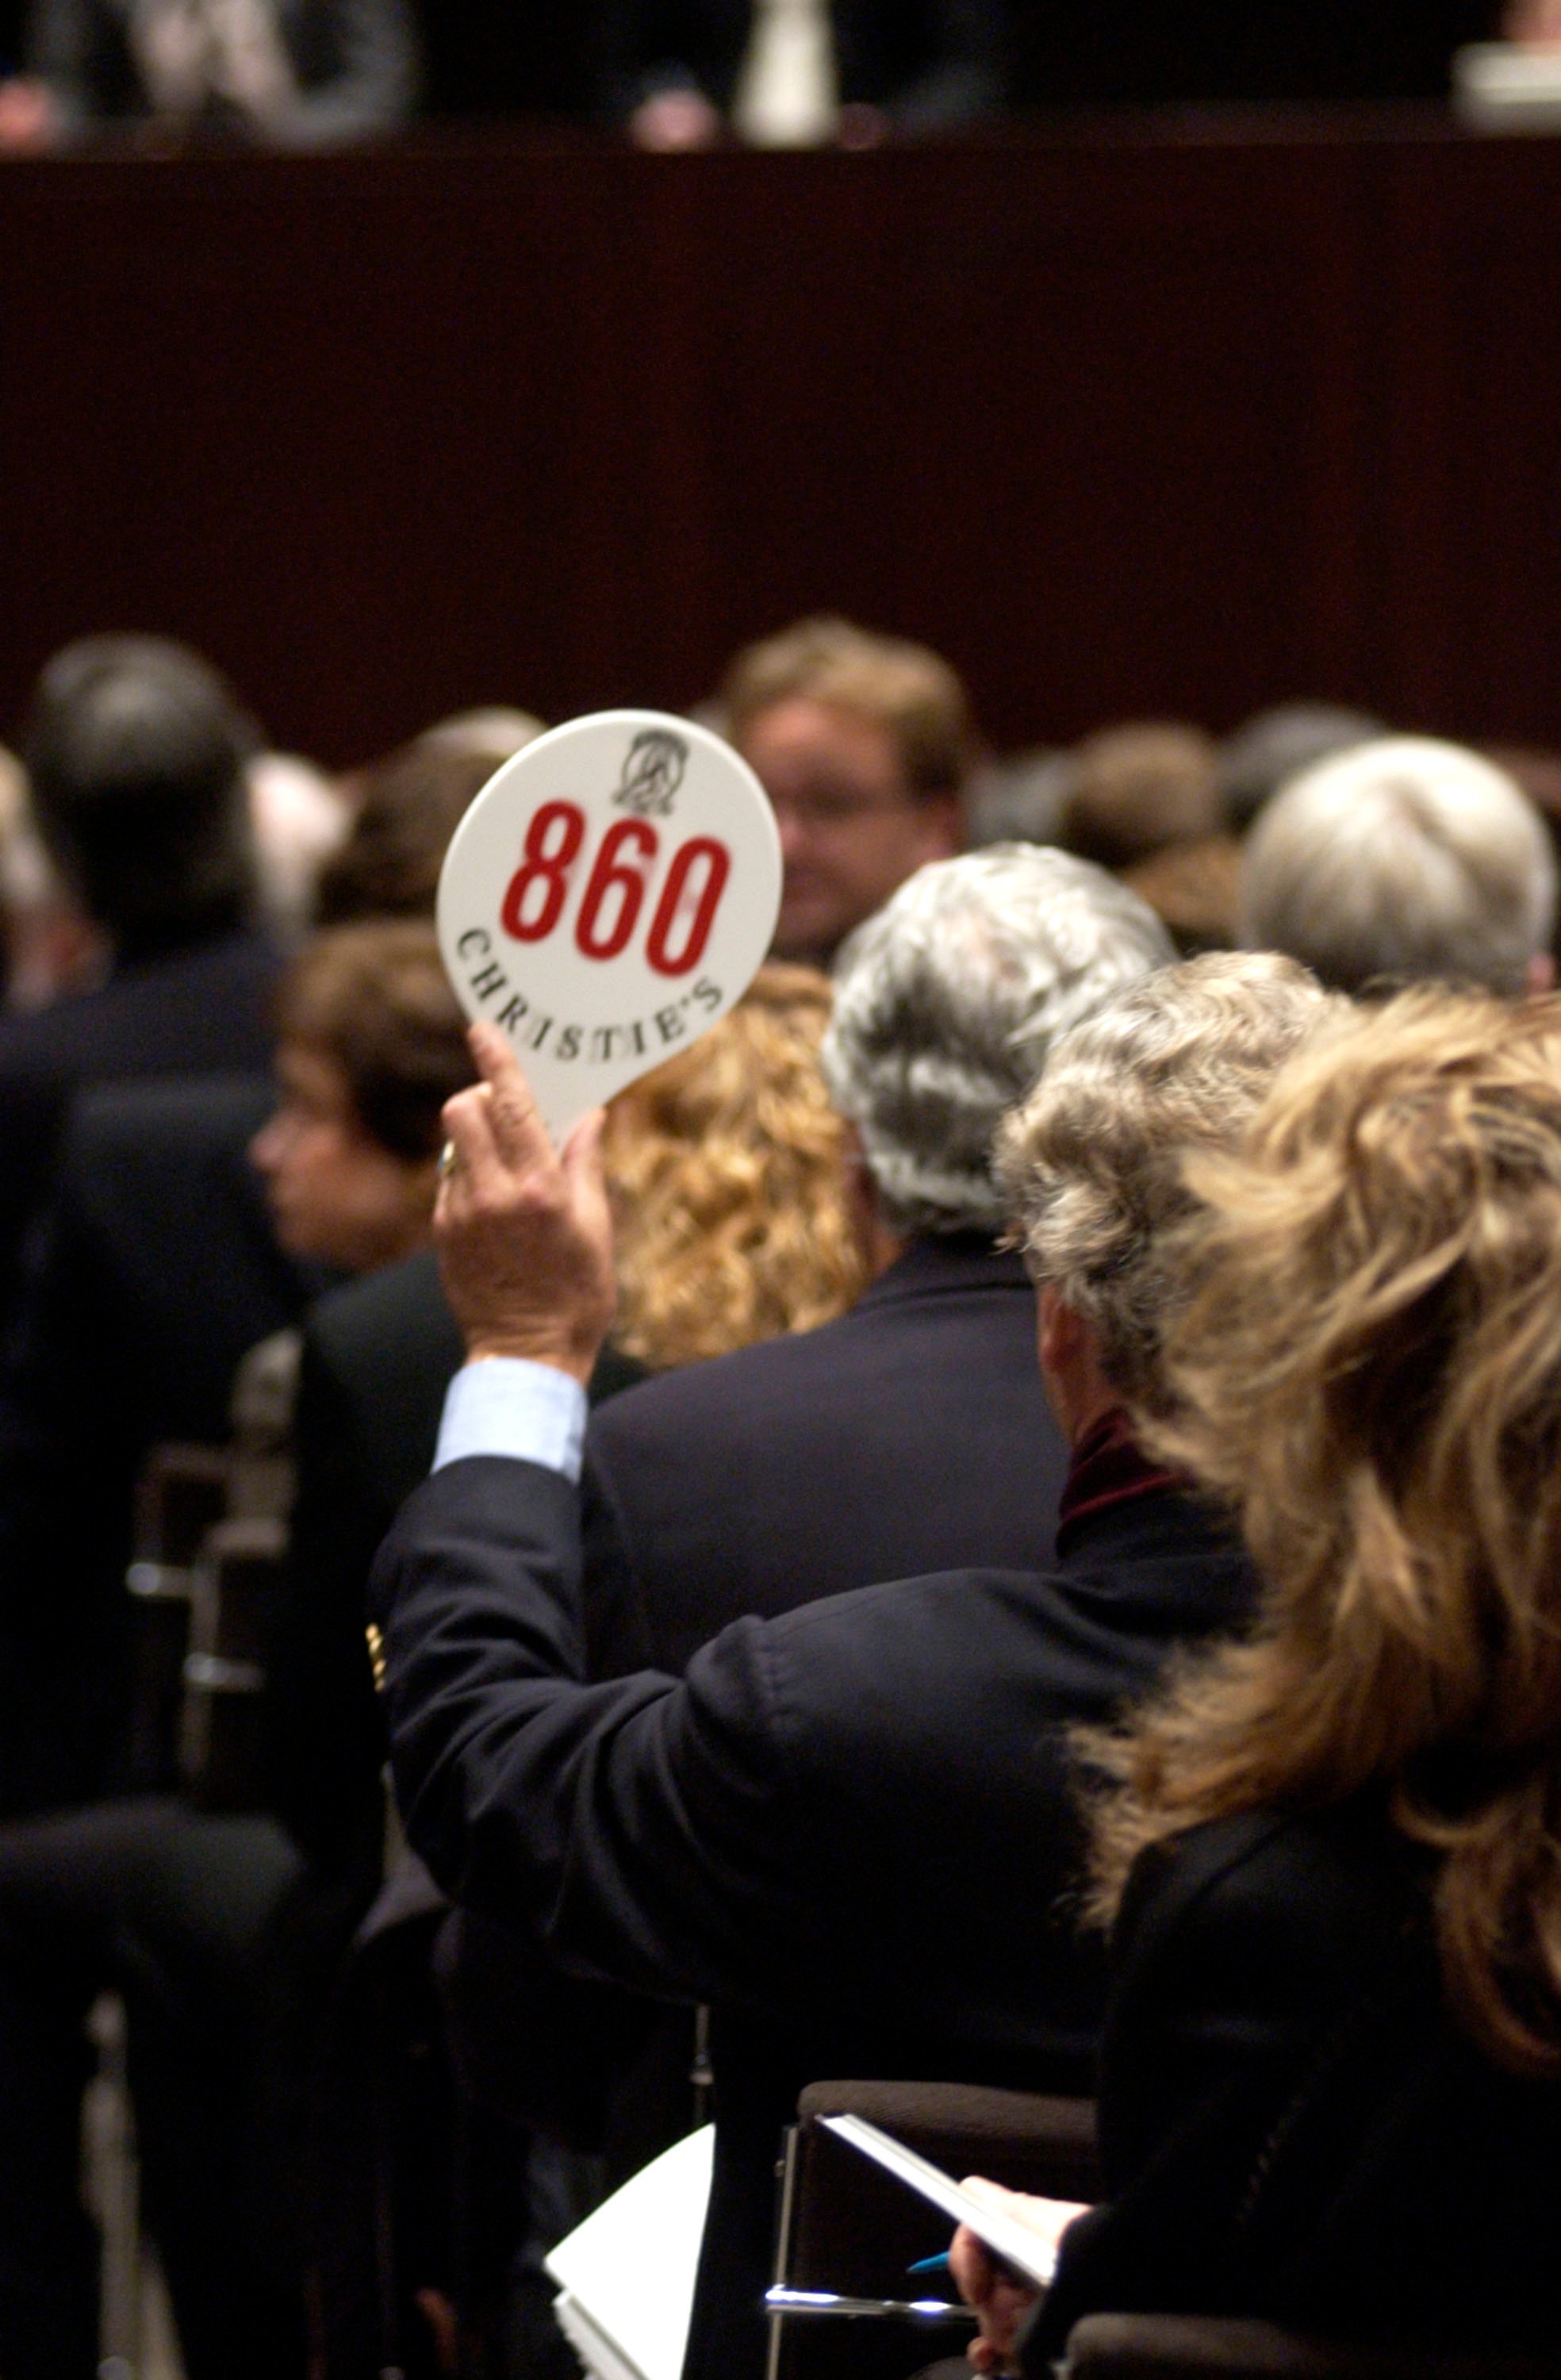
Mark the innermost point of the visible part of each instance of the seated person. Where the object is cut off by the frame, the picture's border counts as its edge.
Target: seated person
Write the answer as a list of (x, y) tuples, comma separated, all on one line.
[(217, 1935), (863, 744), (1331, 2093), (766, 1833), (1400, 860), (135, 754)]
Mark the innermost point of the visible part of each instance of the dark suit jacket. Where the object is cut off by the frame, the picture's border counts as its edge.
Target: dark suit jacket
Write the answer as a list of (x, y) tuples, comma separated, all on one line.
[(925, 62), (202, 1011), (1293, 2126), (913, 1434), (155, 1272), (853, 1821)]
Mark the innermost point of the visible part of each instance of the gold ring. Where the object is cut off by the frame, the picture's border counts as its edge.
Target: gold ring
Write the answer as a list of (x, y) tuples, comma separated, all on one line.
[(449, 1157)]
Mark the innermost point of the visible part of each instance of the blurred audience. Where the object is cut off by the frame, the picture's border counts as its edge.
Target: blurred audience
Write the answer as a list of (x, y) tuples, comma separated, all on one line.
[(1401, 859), (863, 744), (1328, 2092), (291, 74)]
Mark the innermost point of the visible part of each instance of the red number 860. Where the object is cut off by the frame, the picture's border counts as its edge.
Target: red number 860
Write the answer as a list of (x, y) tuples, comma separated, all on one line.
[(616, 886)]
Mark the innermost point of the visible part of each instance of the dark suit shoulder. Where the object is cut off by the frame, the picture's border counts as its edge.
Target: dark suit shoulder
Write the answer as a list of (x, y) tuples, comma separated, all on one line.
[(201, 1009)]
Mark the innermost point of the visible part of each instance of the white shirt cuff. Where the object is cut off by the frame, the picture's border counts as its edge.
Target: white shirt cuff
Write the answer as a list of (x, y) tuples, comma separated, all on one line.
[(531, 1413)]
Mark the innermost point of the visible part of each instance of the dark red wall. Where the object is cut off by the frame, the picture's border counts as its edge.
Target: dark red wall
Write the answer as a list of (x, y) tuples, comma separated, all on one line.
[(1126, 422)]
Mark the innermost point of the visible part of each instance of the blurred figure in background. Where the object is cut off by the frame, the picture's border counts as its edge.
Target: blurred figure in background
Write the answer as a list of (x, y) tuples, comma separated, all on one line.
[(1276, 745), (797, 73), (405, 807), (291, 74), (136, 755), (50, 947), (863, 744), (1137, 790), (1402, 859), (297, 817)]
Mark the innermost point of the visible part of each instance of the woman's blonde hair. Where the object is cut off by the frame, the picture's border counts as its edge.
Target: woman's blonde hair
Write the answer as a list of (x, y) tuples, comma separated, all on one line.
[(730, 1176), (1370, 1374)]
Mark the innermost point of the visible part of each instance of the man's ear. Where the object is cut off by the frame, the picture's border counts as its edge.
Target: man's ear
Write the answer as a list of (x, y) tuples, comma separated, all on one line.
[(1539, 976), (1057, 1329)]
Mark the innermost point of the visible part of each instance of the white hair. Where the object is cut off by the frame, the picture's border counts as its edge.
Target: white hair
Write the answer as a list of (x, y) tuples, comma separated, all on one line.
[(1091, 1165), (946, 1002), (1402, 859)]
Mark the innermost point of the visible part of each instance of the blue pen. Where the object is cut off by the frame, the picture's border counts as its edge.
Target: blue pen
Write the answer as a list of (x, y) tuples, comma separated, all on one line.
[(930, 2264)]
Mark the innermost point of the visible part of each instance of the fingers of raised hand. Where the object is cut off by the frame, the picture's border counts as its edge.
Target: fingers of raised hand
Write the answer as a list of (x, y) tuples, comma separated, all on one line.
[(519, 1133)]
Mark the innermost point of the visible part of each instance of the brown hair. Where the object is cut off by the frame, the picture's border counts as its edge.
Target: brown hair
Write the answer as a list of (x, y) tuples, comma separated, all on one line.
[(902, 687), (408, 807), (1371, 1374), (1140, 789), (374, 998), (729, 1172)]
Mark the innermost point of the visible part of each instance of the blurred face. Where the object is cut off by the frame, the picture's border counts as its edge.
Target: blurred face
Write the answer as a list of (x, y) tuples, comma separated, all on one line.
[(335, 1195), (850, 828)]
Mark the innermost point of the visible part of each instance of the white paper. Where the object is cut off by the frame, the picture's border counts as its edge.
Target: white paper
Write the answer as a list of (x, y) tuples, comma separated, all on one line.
[(1029, 2251), (627, 2271)]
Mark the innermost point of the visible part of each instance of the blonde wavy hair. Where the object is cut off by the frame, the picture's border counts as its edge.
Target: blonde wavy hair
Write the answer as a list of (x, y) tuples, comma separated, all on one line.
[(731, 1183), (1370, 1374)]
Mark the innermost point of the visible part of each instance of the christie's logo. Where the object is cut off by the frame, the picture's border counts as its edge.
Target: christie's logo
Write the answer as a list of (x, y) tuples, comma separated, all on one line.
[(652, 773)]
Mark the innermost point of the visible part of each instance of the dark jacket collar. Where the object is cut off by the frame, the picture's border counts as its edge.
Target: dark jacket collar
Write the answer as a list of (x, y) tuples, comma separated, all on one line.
[(950, 1260)]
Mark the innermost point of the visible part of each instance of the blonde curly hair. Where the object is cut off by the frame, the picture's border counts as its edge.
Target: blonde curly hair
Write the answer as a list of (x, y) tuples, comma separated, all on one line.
[(731, 1184), (1370, 1375)]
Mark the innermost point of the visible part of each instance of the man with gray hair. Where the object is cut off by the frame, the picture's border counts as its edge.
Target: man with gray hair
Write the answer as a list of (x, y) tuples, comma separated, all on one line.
[(1399, 859), (913, 1433), (850, 1828)]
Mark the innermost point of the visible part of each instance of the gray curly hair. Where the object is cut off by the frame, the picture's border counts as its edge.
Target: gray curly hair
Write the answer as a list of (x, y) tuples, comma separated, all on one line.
[(1092, 1164), (946, 1002)]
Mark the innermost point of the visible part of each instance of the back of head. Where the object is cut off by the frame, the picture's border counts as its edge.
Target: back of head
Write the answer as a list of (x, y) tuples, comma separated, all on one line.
[(947, 1004), (1274, 746), (1402, 859), (408, 806), (730, 1178), (135, 753), (1093, 1164), (374, 998), (905, 688), (1138, 789)]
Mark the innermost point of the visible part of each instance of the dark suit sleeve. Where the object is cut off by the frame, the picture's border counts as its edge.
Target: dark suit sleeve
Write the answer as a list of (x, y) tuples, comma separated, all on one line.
[(643, 1830)]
